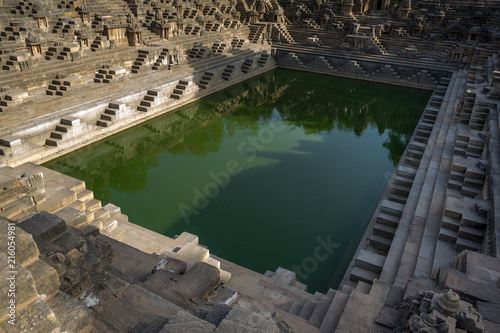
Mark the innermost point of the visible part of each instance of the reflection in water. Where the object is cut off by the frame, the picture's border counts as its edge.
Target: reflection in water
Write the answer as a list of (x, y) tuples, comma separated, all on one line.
[(318, 172)]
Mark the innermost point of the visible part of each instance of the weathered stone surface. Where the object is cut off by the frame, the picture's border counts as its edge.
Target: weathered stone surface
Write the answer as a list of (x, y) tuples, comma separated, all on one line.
[(138, 305), (489, 311), (469, 290), (46, 278), (25, 248), (218, 313), (247, 318), (223, 294), (197, 283), (183, 322), (68, 241), (71, 313), (36, 318), (73, 217), (156, 325), (387, 317), (44, 225), (17, 284), (172, 265)]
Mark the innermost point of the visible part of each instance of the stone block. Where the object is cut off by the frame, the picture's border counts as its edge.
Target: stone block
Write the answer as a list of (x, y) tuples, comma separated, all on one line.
[(10, 141), (284, 276), (218, 313), (17, 282), (71, 216), (470, 291), (68, 241), (38, 318), (72, 314), (184, 322), (156, 325), (26, 248), (246, 318), (46, 278), (44, 225), (197, 283), (489, 311), (223, 294)]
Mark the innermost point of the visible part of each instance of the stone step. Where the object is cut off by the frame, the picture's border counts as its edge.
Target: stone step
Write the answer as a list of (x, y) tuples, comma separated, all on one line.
[(462, 244), (470, 191), (370, 261), (380, 243), (403, 181), (297, 306), (383, 230), (73, 315), (363, 287), (400, 190), (307, 309), (359, 313), (412, 161), (470, 218), (320, 310), (93, 205), (473, 183), (361, 274), (450, 223), (448, 235), (392, 208), (387, 219), (334, 312), (471, 233), (398, 198)]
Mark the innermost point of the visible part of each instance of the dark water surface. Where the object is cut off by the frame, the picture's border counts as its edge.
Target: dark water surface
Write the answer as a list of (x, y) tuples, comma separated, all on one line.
[(283, 170)]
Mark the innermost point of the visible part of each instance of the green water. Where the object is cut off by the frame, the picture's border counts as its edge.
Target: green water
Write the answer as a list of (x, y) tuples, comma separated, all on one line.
[(283, 170)]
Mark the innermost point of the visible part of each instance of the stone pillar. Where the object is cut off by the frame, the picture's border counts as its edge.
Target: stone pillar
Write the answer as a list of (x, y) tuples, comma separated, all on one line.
[(346, 7)]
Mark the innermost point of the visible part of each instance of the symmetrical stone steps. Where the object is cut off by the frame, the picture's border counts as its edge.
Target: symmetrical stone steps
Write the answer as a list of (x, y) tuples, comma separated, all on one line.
[(67, 125), (247, 64), (60, 87), (228, 71), (112, 113), (205, 80), (369, 263), (108, 74), (149, 100)]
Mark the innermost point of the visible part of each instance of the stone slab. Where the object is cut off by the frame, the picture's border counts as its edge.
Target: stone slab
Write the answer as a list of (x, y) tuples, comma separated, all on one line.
[(470, 291), (247, 318)]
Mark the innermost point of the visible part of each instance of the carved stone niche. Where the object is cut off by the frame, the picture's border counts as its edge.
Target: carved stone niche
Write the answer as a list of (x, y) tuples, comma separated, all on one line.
[(430, 312), (84, 13), (34, 44), (42, 21), (117, 34)]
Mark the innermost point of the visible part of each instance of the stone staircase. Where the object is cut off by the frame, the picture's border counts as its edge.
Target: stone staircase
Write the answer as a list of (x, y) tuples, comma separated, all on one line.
[(256, 31), (237, 42), (182, 89), (61, 86), (369, 263), (199, 52), (205, 80), (247, 65), (228, 72), (149, 100), (219, 47), (141, 61), (108, 74), (285, 36), (67, 128), (264, 57), (71, 218), (113, 113)]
